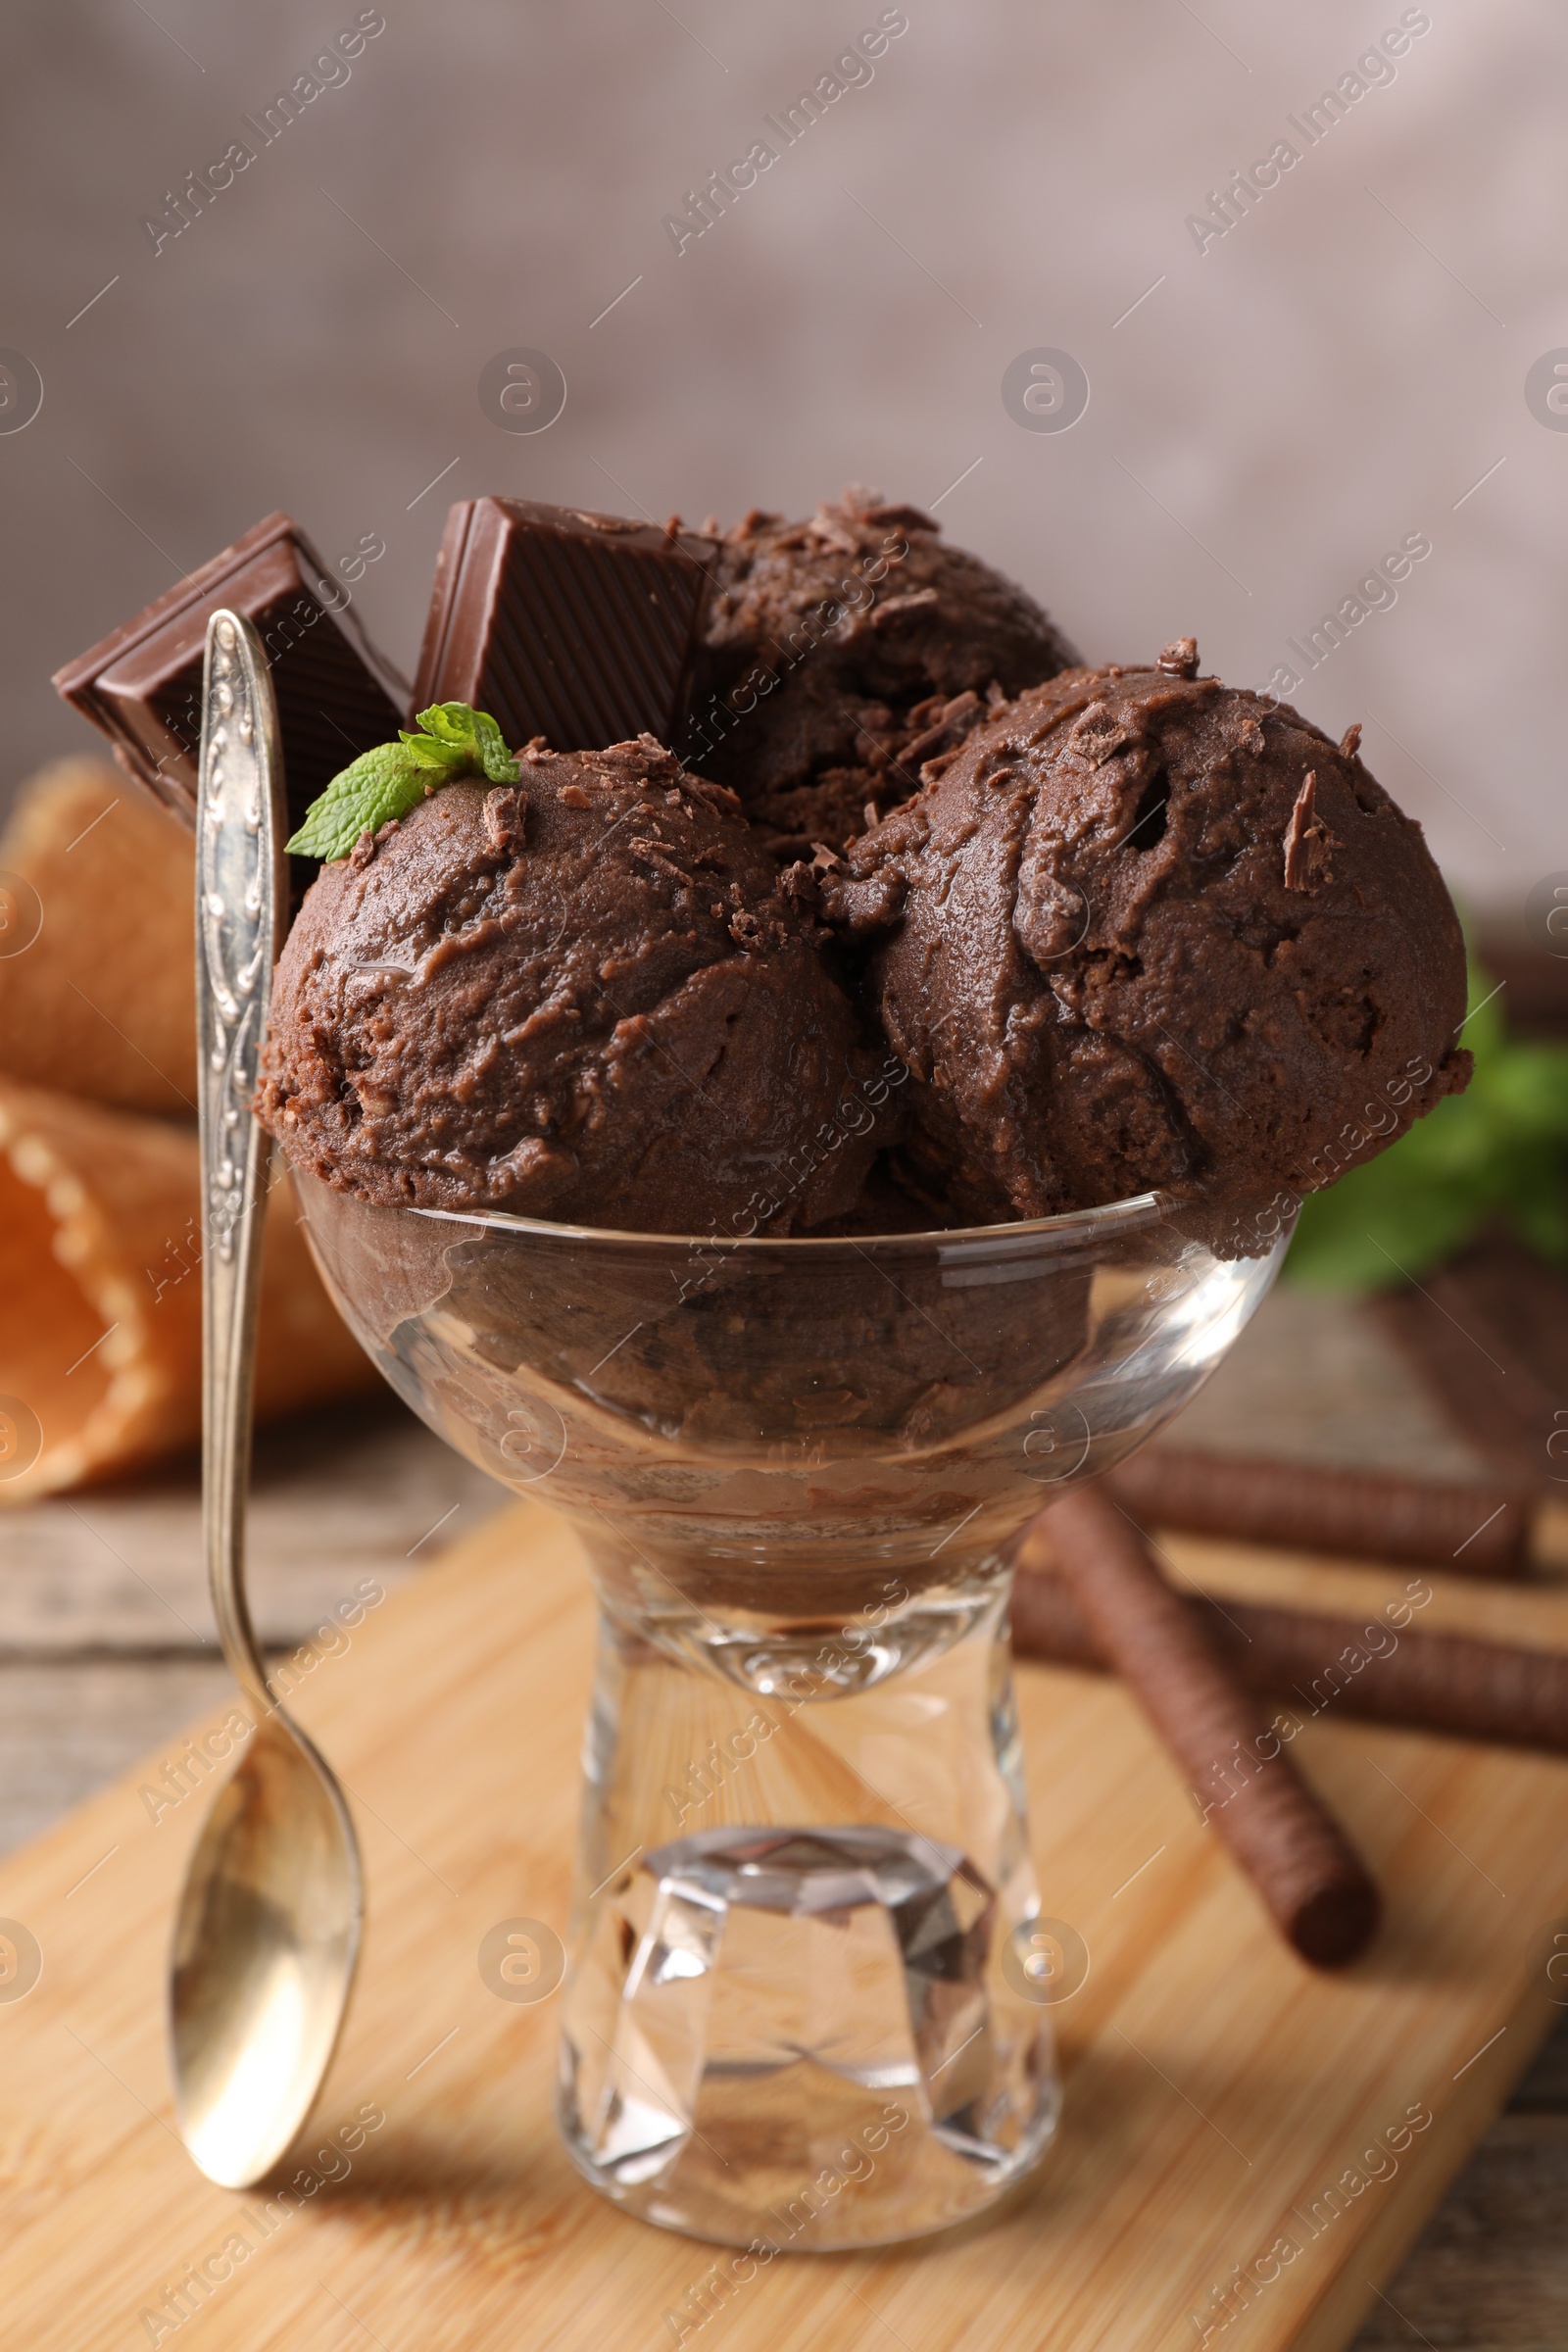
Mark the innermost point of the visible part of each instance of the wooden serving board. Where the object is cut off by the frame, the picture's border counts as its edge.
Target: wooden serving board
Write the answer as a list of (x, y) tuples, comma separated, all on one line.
[(1217, 2090)]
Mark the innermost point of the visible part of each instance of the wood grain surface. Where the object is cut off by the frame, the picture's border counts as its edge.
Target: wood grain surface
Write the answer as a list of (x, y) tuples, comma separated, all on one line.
[(1217, 2090)]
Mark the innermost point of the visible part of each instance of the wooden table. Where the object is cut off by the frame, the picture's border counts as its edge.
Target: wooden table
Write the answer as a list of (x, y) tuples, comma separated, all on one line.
[(105, 1650)]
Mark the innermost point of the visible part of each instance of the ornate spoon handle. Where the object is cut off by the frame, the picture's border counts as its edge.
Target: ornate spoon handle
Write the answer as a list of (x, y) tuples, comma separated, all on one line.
[(240, 884)]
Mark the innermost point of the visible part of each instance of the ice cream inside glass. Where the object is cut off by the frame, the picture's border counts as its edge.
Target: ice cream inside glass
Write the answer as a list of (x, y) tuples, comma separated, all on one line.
[(807, 1941), (794, 1161)]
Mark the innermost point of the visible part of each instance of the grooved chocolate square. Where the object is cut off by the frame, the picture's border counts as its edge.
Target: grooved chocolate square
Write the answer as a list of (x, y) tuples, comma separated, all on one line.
[(336, 696), (578, 628)]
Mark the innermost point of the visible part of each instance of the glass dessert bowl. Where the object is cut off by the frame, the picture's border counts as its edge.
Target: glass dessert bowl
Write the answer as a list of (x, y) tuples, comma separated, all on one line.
[(804, 1947)]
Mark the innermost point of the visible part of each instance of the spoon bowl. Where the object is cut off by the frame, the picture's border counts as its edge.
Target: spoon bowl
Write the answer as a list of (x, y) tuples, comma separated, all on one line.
[(264, 1947)]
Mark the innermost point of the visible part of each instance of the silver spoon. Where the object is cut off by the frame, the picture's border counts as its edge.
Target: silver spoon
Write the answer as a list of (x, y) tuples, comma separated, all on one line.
[(268, 1931)]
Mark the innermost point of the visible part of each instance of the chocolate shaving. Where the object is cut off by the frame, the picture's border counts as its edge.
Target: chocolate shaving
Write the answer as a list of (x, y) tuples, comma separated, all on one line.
[(798, 884), (1307, 841), (505, 812), (954, 722), (1179, 659), (938, 766), (825, 526), (909, 518), (717, 797), (652, 855), (893, 606), (1098, 733)]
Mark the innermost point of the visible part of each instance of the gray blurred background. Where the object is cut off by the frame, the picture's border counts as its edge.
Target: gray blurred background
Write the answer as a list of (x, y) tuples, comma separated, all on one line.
[(1343, 368)]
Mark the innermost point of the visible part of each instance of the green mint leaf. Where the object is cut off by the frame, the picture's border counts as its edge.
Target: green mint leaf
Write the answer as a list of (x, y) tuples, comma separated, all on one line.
[(378, 786), (471, 735), (447, 722), (453, 741), (1498, 1152), (450, 758), (1542, 1222), (498, 762), (1380, 1223), (1530, 1084)]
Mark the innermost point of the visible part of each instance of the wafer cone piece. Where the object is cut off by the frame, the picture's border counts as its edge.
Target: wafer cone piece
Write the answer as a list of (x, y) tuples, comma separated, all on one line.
[(97, 972), (100, 1297)]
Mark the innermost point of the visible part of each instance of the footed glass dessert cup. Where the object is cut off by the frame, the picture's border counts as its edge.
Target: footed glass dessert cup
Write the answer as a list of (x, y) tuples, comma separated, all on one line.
[(809, 1975)]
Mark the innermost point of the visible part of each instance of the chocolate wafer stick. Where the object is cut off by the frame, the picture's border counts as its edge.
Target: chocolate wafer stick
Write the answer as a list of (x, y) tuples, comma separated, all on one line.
[(1379, 1671), (1471, 1530), (1488, 1333), (1300, 1862)]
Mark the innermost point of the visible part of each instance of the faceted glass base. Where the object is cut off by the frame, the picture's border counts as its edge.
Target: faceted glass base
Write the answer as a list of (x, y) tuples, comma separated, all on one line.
[(807, 2031)]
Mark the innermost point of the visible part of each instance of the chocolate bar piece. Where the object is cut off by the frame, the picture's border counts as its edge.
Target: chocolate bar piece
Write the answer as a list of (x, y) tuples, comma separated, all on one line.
[(336, 696), (578, 628)]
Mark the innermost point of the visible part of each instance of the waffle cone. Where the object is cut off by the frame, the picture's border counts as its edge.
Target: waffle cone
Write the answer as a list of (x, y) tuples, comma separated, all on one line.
[(100, 1330), (97, 973)]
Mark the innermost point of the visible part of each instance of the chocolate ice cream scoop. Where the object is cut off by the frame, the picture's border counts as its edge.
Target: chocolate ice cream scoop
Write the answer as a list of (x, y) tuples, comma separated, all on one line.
[(583, 997), (843, 651), (1149, 931)]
